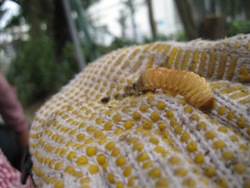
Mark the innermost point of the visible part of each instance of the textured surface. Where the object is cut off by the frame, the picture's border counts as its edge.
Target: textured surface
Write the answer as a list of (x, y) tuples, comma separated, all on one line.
[(81, 138)]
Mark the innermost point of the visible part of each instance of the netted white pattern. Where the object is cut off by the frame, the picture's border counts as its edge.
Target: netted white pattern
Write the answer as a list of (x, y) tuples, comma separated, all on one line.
[(86, 136)]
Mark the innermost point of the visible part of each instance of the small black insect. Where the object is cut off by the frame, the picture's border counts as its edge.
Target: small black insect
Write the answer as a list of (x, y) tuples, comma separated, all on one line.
[(105, 100)]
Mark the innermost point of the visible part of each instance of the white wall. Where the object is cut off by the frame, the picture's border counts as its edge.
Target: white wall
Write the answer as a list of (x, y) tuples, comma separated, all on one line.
[(106, 12)]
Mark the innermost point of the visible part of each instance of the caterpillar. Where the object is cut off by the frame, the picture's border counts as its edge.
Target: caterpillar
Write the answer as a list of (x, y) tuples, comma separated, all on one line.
[(191, 86)]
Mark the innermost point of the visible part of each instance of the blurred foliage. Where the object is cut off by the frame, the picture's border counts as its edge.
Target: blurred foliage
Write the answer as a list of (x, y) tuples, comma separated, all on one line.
[(34, 72), (46, 62), (238, 26), (173, 37)]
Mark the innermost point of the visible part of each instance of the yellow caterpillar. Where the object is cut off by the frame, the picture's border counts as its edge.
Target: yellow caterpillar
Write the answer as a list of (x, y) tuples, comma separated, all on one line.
[(191, 86)]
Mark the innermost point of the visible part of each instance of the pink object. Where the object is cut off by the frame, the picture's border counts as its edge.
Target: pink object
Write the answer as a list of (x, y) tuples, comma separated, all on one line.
[(10, 109), (9, 176)]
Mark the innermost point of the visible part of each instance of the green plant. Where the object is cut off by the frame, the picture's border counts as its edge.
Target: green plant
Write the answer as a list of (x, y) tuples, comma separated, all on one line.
[(238, 26), (34, 72)]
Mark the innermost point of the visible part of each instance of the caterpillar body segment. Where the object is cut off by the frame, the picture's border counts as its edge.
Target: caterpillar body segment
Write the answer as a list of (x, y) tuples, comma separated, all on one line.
[(191, 86)]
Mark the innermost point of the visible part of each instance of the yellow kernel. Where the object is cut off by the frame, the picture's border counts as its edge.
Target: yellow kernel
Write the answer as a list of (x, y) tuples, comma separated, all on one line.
[(128, 124), (154, 140), (234, 138), (174, 160), (120, 161), (133, 103), (189, 182), (248, 131), (246, 183), (165, 134), (65, 116), (188, 109), (51, 163), (118, 131), (142, 157), (138, 147), (108, 125), (93, 169), (117, 118), (81, 161), (90, 129), (169, 113), (109, 112), (181, 172), (159, 149), (91, 151), (136, 116), (82, 125), (185, 137), (210, 134), (195, 117), (59, 184), (98, 134), (110, 145), (162, 182), (230, 115), (58, 165), (105, 166), (178, 129), (155, 172), (150, 99), (161, 105), (131, 181), (99, 121), (222, 110), (101, 159), (119, 184), (134, 140), (147, 125), (223, 129), (70, 143), (116, 152), (69, 169), (127, 171), (80, 137), (72, 132), (221, 182), (173, 122), (219, 144), (88, 141), (111, 178), (227, 155), (199, 158), (78, 174), (143, 108), (155, 116), (192, 146), (244, 147), (201, 125), (84, 181), (241, 122), (126, 109), (210, 171), (147, 164), (71, 155), (162, 126)]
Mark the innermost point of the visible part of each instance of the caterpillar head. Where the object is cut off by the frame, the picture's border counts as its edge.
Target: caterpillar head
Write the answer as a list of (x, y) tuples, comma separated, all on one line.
[(208, 105)]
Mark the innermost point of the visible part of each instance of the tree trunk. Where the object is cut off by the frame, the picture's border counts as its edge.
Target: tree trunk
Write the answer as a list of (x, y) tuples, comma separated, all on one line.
[(132, 10), (187, 19), (246, 4), (61, 31), (151, 19)]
